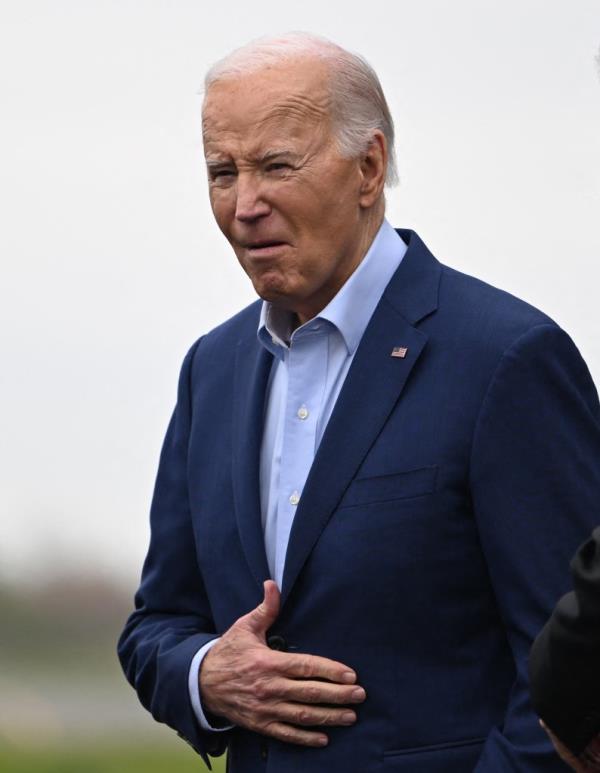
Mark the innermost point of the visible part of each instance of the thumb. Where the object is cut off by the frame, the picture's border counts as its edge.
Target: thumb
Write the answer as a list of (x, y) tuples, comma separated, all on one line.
[(265, 614)]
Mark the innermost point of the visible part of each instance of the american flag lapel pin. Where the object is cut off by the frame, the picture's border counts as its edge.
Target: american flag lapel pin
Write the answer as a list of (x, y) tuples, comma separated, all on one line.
[(399, 351)]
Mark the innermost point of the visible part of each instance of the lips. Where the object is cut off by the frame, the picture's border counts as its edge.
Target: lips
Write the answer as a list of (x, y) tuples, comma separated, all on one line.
[(263, 245), (268, 248)]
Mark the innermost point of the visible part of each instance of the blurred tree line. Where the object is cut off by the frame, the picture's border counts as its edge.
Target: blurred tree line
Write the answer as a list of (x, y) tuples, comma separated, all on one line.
[(70, 621), (65, 706)]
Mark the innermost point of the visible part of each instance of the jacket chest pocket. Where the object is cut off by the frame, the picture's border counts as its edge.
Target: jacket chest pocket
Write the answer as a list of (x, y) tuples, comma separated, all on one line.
[(385, 488)]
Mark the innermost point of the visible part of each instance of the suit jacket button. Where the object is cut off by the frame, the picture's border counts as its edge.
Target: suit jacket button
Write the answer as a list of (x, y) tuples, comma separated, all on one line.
[(277, 642)]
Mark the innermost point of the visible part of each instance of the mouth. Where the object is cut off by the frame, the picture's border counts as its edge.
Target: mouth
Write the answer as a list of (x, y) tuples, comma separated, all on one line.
[(265, 247)]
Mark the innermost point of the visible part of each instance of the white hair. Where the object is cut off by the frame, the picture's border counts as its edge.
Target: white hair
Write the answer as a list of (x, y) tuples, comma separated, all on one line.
[(358, 103)]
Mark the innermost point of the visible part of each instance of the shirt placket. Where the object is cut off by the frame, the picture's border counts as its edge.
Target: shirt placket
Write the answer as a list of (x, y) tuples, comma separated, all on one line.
[(307, 372)]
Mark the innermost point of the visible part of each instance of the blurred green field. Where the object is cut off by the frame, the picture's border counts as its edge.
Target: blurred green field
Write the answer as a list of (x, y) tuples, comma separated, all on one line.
[(176, 758), (65, 706)]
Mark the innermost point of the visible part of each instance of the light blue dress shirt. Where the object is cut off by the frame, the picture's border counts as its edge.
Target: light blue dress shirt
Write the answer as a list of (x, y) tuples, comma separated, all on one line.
[(309, 368)]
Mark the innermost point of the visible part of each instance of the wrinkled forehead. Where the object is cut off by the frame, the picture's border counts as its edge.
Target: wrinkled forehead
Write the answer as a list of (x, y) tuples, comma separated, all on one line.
[(291, 93)]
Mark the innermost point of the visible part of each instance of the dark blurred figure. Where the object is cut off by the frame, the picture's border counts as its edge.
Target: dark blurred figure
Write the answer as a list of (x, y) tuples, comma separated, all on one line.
[(565, 665)]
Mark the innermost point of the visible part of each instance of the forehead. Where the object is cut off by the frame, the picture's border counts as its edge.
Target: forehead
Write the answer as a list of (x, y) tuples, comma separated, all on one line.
[(288, 99)]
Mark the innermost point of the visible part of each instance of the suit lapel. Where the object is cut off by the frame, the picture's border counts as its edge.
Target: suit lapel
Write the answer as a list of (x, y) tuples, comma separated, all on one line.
[(372, 388), (253, 365)]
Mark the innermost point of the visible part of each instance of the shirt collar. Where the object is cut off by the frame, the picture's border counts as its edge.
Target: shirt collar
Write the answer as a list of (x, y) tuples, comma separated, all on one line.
[(351, 309)]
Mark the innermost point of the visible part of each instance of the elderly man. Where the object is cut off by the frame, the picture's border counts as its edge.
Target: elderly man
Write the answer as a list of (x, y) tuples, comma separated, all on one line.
[(373, 479)]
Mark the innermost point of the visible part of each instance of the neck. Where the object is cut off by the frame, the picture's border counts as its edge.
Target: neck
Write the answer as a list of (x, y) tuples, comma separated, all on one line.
[(371, 225)]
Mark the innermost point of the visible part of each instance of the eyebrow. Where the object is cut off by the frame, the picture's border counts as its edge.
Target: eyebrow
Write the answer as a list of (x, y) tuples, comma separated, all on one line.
[(214, 162), (270, 155)]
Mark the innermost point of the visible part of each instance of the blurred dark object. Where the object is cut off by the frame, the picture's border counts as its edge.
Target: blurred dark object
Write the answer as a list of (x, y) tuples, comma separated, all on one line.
[(564, 663)]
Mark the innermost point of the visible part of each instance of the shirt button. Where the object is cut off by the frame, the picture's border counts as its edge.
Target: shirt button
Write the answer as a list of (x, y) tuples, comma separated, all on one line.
[(302, 412), (295, 498)]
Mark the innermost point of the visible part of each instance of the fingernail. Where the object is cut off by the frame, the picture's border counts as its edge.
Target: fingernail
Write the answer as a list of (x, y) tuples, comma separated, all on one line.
[(359, 694), (323, 740), (348, 718), (349, 677)]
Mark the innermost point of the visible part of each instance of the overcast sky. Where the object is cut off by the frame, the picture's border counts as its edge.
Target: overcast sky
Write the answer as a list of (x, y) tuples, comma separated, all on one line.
[(112, 266)]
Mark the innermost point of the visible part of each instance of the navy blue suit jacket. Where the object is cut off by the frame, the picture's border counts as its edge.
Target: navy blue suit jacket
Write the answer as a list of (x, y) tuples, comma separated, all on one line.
[(431, 542)]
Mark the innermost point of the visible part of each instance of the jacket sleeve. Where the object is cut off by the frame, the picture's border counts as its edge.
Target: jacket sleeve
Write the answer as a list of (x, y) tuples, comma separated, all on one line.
[(564, 664), (172, 618), (535, 483)]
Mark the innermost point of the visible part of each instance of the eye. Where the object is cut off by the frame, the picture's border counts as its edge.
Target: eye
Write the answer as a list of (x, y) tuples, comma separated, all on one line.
[(277, 168), (222, 176)]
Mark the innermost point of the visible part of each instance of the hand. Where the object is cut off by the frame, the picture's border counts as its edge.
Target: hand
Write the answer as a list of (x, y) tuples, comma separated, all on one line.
[(578, 764), (275, 693)]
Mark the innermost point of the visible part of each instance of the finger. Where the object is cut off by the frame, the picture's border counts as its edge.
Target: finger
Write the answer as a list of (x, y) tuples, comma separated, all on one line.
[(309, 716), (563, 752), (306, 691), (316, 667), (259, 620), (291, 734)]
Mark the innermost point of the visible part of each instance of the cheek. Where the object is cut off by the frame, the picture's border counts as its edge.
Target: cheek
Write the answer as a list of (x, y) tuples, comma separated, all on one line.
[(223, 208), (246, 268)]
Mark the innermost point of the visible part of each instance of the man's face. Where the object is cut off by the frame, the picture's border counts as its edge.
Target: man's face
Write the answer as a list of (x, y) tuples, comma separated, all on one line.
[(289, 204)]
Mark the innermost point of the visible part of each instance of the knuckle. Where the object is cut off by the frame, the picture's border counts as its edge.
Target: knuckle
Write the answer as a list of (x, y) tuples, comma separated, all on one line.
[(254, 724), (313, 694), (339, 717), (268, 728), (304, 717), (306, 667), (262, 661), (262, 690), (342, 696), (288, 734)]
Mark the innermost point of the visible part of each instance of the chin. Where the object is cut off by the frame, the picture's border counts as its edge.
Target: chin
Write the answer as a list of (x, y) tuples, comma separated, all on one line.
[(271, 295), (270, 289)]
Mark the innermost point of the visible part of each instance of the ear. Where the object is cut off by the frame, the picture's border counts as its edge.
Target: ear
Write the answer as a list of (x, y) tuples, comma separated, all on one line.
[(373, 166)]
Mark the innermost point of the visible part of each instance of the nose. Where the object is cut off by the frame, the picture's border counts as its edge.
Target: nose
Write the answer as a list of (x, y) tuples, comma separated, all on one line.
[(250, 202)]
